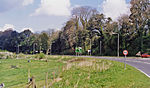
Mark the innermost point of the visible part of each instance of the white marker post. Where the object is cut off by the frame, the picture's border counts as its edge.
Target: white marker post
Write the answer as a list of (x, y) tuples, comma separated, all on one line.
[(125, 52)]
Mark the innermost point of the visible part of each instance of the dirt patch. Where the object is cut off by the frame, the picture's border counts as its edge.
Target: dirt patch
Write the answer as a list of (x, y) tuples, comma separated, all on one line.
[(14, 67)]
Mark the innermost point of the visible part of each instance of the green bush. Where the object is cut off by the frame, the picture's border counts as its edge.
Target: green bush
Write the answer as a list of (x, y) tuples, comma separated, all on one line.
[(40, 56), (21, 56), (7, 55)]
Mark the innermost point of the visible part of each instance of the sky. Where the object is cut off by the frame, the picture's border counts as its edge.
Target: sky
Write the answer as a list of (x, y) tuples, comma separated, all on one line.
[(39, 15)]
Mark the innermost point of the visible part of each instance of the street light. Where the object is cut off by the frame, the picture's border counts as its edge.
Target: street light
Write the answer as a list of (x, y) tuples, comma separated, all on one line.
[(18, 48), (34, 47), (118, 43), (100, 44)]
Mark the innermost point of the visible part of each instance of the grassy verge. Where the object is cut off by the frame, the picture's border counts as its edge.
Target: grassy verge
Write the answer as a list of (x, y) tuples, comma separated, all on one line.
[(71, 72)]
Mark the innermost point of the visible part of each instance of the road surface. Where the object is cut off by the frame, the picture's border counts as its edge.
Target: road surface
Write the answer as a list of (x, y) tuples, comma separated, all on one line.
[(142, 65)]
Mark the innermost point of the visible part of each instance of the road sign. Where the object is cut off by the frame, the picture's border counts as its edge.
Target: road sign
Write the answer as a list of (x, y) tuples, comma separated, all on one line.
[(125, 52), (80, 49), (77, 50)]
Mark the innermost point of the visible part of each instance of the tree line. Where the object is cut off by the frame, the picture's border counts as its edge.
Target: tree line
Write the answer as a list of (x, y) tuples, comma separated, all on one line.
[(89, 29)]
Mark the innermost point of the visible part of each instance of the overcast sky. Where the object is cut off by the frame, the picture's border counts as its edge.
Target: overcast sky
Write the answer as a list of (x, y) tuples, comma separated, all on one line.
[(39, 15)]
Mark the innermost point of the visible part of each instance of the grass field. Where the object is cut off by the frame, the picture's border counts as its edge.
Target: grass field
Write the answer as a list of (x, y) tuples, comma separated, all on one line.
[(71, 72)]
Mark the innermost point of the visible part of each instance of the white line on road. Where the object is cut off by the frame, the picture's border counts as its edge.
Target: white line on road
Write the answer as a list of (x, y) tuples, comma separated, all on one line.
[(116, 59), (143, 72)]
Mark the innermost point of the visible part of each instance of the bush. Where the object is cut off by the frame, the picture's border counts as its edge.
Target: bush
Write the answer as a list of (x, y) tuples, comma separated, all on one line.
[(21, 56), (6, 55), (40, 56)]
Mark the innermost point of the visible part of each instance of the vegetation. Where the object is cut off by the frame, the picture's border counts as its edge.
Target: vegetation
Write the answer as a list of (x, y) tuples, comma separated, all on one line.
[(86, 28), (65, 71), (7, 55), (40, 56)]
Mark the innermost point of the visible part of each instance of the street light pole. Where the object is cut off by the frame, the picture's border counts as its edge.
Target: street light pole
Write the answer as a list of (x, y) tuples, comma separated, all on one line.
[(100, 47), (34, 47), (90, 47), (118, 45), (18, 49)]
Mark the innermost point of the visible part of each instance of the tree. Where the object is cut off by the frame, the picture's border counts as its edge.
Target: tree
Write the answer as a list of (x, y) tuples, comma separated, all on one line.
[(43, 43), (140, 15), (83, 14)]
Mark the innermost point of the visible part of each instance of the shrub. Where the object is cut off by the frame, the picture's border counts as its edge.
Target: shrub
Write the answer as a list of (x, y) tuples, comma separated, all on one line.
[(40, 56), (21, 56), (6, 55)]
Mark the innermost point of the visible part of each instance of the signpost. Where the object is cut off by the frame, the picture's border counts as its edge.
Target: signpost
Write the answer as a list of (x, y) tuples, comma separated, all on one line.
[(125, 52), (78, 50)]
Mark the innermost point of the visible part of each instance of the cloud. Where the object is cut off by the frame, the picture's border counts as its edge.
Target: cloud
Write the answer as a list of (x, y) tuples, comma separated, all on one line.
[(27, 2), (115, 8), (53, 8), (7, 26), (12, 27), (27, 29)]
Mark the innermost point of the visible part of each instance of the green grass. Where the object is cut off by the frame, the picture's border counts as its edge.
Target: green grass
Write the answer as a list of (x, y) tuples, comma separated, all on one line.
[(77, 72), (16, 76)]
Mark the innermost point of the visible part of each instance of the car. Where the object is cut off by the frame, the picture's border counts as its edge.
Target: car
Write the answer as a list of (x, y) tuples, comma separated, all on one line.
[(145, 55)]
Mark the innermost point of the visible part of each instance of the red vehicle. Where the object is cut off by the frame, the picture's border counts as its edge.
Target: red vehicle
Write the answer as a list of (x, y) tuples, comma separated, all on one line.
[(145, 55)]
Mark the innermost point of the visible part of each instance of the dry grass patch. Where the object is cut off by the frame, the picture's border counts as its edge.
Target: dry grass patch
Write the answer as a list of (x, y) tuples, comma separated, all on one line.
[(87, 64)]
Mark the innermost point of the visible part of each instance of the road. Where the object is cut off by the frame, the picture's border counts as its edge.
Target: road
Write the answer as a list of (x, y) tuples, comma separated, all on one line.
[(142, 65)]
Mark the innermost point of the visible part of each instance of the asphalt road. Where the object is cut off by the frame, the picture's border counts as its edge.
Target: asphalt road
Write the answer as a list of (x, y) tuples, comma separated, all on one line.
[(142, 65)]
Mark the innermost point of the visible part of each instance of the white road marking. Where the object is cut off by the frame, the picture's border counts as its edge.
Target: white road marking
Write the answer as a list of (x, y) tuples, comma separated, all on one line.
[(118, 59), (144, 73)]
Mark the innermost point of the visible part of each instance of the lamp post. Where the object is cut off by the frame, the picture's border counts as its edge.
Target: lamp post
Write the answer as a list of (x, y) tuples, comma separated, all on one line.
[(100, 43), (100, 47), (34, 47), (18, 49), (117, 44), (90, 47)]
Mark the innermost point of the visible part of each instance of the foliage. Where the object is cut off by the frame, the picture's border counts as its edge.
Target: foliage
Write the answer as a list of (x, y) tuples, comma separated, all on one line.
[(133, 31), (40, 56), (86, 28), (7, 55)]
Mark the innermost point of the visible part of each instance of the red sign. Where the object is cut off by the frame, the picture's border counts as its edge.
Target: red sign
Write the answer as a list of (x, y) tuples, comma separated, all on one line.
[(125, 52)]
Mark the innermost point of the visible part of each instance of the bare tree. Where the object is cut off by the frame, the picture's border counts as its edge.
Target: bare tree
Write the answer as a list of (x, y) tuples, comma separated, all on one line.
[(83, 14)]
